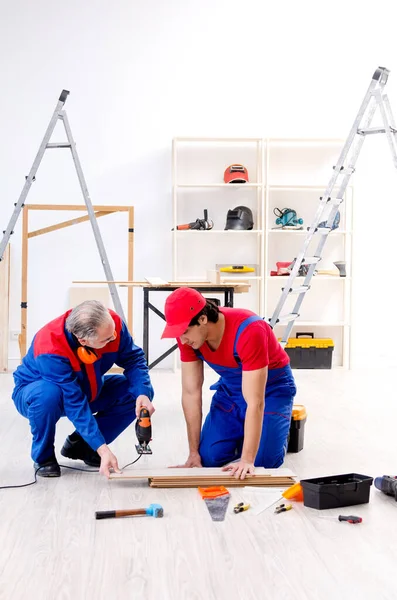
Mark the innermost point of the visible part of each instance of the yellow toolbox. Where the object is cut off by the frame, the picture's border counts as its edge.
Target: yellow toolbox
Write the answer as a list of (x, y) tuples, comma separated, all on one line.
[(309, 352)]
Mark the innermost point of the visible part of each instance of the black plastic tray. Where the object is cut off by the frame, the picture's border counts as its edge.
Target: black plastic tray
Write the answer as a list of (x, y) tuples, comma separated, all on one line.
[(336, 490)]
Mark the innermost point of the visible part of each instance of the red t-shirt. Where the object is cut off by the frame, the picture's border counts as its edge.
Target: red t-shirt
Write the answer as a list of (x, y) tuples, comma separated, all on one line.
[(257, 346)]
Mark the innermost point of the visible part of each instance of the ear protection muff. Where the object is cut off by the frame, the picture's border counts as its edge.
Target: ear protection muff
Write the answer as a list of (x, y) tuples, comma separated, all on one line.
[(87, 355)]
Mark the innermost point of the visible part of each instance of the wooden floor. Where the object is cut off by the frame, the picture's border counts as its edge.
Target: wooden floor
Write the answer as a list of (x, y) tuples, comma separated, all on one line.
[(52, 548)]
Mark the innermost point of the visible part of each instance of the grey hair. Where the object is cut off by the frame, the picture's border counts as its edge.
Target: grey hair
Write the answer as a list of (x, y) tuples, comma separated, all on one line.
[(85, 319)]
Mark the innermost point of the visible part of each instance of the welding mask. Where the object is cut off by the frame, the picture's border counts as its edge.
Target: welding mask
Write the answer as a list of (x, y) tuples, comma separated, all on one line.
[(240, 218)]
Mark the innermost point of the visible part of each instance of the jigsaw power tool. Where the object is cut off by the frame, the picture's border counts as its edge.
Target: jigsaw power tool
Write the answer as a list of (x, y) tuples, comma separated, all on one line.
[(143, 429), (387, 485)]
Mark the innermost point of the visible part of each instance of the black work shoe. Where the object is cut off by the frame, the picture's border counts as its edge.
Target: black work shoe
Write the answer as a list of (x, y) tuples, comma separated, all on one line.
[(77, 449), (49, 468)]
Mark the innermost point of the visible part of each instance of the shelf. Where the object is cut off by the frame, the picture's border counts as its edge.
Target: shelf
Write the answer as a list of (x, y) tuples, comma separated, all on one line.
[(304, 231), (212, 231), (316, 141), (299, 323), (216, 185), (220, 140), (313, 188), (248, 277), (271, 188), (314, 278)]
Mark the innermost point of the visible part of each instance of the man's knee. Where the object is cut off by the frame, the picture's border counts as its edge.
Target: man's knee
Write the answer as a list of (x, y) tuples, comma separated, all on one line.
[(46, 396), (214, 455), (209, 459), (269, 461)]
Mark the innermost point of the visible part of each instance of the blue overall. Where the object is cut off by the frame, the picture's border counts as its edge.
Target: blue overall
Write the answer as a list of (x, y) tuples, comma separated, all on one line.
[(52, 383), (222, 435), (42, 403)]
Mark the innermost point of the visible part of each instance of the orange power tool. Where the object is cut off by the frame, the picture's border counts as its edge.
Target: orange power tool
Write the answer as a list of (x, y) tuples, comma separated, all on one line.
[(143, 429)]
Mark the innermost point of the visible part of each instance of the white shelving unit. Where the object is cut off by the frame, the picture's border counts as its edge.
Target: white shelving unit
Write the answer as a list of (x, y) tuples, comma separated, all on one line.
[(198, 169), (283, 173)]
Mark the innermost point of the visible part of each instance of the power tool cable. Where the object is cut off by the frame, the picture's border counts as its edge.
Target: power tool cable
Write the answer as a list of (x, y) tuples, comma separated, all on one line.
[(9, 487)]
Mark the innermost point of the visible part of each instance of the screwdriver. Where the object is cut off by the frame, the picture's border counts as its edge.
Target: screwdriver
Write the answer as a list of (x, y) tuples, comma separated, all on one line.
[(350, 519)]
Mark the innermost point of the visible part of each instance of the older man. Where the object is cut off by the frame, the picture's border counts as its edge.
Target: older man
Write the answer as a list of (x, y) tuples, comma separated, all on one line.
[(63, 375)]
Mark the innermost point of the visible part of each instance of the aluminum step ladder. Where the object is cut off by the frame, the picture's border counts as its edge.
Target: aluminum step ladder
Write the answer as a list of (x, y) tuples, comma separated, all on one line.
[(334, 195), (60, 114)]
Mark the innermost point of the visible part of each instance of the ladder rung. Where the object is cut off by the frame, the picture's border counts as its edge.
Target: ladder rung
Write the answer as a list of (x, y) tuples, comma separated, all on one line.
[(287, 318), (323, 230), (335, 201), (374, 130), (310, 260), (301, 289), (345, 170), (58, 145)]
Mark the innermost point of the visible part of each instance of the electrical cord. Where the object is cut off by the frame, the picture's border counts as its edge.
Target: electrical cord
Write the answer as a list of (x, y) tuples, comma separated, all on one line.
[(280, 214), (10, 487), (132, 463)]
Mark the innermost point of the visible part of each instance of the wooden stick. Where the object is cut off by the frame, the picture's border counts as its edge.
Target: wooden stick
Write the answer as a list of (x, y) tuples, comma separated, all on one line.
[(76, 207), (65, 224), (24, 288), (4, 308), (130, 273)]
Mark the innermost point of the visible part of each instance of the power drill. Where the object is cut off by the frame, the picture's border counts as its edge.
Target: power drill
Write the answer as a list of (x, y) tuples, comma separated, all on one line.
[(387, 485), (143, 429)]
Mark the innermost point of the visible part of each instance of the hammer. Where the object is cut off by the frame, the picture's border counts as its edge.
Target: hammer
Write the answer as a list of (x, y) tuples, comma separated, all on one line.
[(154, 510)]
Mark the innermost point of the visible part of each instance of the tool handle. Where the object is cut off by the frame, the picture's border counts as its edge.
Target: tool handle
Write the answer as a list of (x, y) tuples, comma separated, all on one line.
[(350, 518), (131, 513), (184, 227), (105, 514), (114, 514), (144, 413)]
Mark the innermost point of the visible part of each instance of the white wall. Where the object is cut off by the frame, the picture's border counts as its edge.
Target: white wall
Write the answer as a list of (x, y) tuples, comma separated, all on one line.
[(143, 72)]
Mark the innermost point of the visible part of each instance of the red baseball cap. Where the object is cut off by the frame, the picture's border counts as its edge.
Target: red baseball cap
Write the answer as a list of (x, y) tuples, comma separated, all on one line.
[(180, 308)]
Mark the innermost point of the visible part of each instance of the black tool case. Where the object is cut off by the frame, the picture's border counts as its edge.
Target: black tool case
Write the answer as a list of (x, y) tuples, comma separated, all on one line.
[(336, 490)]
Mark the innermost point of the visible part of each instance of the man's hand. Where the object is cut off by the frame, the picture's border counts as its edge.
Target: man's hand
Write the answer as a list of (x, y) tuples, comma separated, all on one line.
[(108, 461), (143, 402), (240, 469), (194, 460)]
